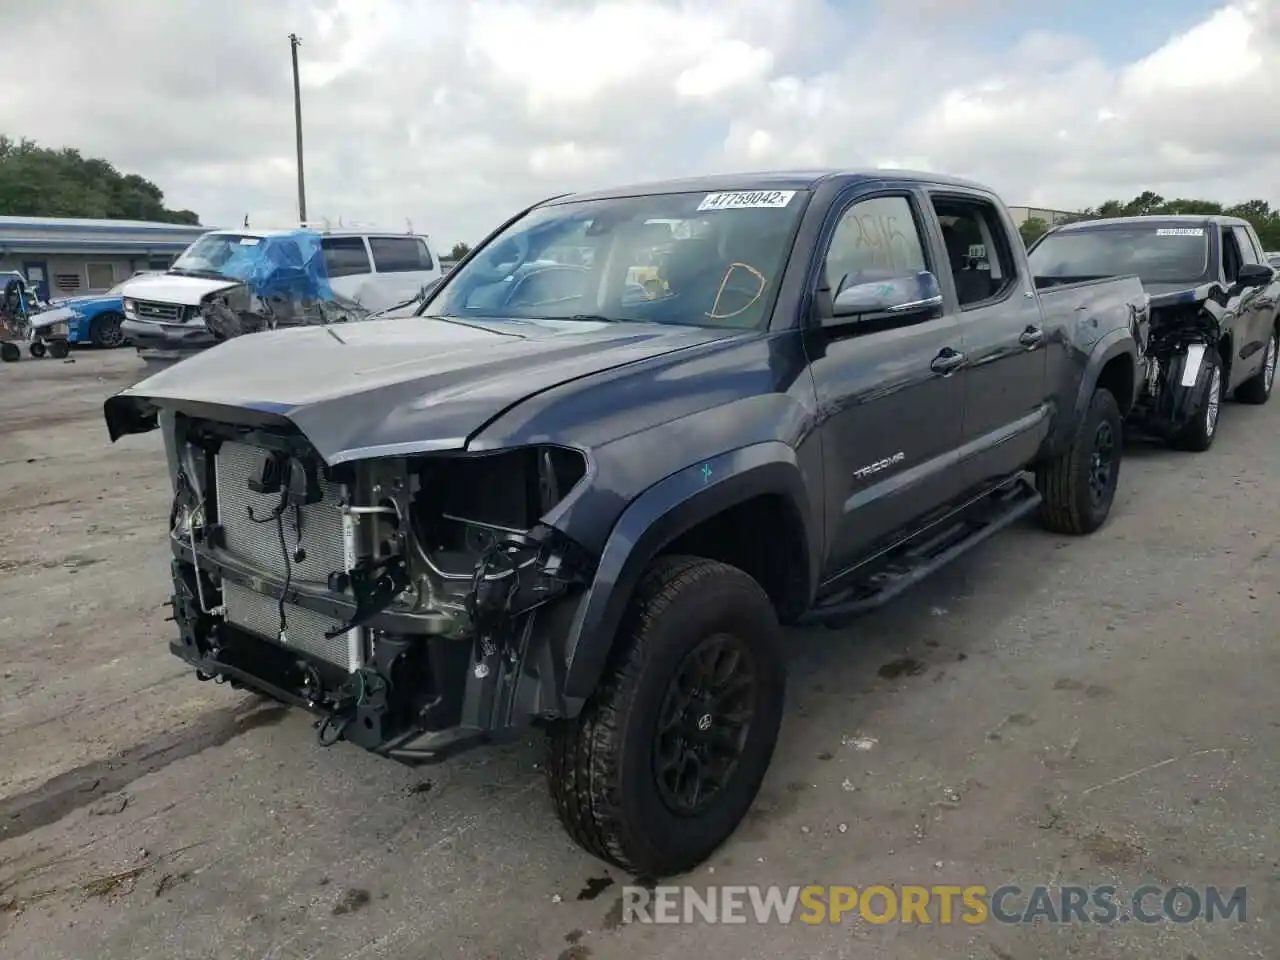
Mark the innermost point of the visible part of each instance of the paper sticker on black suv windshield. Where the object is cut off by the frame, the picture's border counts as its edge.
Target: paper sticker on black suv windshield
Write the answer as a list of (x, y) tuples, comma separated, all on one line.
[(1180, 232), (746, 200)]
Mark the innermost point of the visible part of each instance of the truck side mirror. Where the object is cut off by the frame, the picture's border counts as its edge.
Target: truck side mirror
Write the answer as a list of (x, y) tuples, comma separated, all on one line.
[(1255, 275), (915, 294)]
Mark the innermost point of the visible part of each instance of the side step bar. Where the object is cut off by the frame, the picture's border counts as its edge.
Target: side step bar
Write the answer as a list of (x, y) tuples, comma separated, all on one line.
[(941, 544)]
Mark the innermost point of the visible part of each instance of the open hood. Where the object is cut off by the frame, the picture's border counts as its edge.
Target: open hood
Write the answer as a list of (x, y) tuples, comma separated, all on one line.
[(389, 387), (173, 288)]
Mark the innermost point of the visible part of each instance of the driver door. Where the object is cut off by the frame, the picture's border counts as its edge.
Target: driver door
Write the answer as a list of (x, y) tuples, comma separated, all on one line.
[(890, 412)]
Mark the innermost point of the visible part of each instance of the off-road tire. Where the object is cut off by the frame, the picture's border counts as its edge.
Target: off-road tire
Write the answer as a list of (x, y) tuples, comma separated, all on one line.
[(1067, 506), (1198, 435), (59, 349), (1257, 389), (37, 350), (600, 766), (105, 333), (10, 352)]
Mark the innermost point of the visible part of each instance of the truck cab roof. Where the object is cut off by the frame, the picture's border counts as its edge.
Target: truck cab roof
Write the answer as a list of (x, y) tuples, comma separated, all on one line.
[(1170, 219), (769, 180)]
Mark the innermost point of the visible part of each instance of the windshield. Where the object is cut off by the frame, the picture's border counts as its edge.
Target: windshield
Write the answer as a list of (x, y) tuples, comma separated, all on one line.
[(685, 258), (229, 255), (1156, 254)]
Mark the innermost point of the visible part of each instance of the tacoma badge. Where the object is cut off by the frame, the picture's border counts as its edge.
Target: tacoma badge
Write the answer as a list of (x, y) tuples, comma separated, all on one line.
[(863, 472)]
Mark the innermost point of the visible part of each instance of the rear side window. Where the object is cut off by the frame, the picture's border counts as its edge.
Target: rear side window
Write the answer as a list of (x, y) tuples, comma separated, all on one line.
[(979, 251), (399, 254), (344, 256)]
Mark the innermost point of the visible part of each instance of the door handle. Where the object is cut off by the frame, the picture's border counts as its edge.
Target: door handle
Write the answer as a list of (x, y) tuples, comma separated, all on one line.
[(947, 361), (1031, 336)]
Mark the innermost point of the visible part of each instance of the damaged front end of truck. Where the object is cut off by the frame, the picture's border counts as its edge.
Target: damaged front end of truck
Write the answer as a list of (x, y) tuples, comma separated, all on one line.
[(1186, 327), (411, 602)]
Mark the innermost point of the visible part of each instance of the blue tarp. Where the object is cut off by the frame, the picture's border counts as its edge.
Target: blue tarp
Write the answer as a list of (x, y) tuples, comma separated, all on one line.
[(290, 265)]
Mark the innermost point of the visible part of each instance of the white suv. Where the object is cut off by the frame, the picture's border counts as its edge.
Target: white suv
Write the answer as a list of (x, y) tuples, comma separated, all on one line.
[(378, 270)]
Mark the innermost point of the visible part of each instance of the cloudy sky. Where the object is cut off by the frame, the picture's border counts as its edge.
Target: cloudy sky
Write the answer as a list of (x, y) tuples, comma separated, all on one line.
[(452, 113)]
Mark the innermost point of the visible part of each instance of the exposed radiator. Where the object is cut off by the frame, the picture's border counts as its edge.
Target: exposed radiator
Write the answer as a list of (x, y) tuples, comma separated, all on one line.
[(326, 538), (326, 535), (305, 629)]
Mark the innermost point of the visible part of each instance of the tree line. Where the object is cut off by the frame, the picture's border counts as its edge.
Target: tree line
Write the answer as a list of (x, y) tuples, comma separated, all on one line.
[(1258, 212), (37, 181)]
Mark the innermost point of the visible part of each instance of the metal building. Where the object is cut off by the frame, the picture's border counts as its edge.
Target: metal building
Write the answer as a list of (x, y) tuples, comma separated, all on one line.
[(66, 257), (1052, 217)]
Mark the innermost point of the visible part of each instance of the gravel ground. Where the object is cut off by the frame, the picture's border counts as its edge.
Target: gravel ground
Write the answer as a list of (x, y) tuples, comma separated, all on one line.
[(1047, 711)]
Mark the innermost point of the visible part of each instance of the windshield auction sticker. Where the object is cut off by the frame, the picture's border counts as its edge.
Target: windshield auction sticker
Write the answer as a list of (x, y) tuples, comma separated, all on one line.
[(1180, 232), (746, 200)]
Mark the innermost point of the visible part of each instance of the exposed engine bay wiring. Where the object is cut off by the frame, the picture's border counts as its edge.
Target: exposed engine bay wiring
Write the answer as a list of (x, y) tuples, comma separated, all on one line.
[(277, 515)]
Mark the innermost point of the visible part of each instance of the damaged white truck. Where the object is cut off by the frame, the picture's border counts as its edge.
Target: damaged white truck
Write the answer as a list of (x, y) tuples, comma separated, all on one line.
[(557, 496), (232, 282)]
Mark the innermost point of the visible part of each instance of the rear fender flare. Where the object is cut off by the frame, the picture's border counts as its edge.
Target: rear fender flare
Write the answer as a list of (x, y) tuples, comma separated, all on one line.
[(657, 517), (1117, 343)]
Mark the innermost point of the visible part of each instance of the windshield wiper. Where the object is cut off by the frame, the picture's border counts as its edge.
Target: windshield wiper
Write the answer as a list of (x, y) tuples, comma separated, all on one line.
[(588, 317)]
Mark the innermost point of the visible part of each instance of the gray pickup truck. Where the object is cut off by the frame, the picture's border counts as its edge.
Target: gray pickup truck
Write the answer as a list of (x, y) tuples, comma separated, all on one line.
[(584, 483)]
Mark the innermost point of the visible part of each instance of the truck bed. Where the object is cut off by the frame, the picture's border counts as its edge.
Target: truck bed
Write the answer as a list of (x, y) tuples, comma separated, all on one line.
[(1074, 306), (1089, 296)]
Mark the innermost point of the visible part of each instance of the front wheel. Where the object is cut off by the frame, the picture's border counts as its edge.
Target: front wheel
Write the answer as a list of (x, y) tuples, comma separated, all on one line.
[(669, 753), (1199, 433), (1079, 485), (105, 332)]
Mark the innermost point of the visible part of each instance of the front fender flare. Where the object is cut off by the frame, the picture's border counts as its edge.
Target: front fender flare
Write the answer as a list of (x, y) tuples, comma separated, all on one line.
[(654, 519)]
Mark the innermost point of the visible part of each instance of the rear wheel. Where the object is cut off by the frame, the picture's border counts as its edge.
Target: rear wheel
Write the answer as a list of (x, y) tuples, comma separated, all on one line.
[(37, 349), (58, 349), (667, 756), (1257, 389), (1198, 435), (105, 330), (1079, 485)]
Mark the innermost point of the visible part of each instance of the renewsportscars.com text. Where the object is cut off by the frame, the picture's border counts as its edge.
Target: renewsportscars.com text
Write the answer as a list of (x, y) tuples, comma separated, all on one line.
[(930, 905)]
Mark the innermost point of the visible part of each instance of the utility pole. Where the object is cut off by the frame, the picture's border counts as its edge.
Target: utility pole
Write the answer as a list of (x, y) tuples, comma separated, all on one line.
[(294, 41)]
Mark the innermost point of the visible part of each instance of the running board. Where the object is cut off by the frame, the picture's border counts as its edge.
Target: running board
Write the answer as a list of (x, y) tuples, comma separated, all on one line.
[(931, 550)]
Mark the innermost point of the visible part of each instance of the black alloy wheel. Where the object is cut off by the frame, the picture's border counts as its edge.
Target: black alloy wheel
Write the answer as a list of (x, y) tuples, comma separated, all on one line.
[(704, 723), (1102, 463)]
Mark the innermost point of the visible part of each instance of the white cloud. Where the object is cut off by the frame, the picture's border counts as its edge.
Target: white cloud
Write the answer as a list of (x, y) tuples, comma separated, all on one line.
[(453, 115)]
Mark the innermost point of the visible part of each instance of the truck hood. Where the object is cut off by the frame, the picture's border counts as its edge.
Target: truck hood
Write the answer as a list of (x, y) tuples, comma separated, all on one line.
[(389, 387), (1173, 294), (171, 288), (87, 302)]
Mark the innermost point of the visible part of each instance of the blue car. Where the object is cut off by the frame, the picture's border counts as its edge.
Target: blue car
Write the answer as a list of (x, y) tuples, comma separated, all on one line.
[(93, 319)]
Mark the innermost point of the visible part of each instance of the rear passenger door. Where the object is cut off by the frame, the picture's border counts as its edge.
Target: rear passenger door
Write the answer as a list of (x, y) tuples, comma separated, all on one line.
[(889, 405), (1005, 374)]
